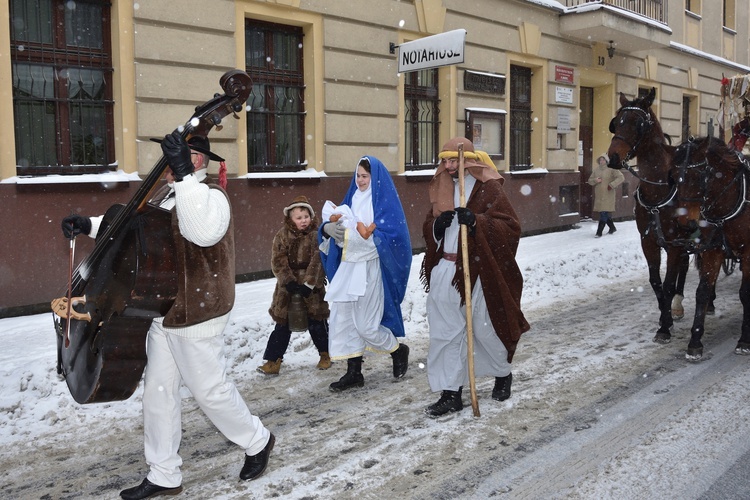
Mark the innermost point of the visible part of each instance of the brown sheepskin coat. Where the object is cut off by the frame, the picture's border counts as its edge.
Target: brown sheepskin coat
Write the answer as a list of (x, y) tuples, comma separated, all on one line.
[(295, 257), (492, 256), (205, 276)]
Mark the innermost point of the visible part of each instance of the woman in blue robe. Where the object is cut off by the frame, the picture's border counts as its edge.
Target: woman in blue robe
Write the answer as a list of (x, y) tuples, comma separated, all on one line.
[(367, 271)]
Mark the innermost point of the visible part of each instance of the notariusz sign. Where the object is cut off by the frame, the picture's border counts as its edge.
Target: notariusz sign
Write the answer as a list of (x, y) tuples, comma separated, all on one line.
[(432, 51)]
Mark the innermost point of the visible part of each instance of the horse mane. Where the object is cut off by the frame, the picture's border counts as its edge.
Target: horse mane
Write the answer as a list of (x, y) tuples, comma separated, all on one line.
[(718, 152), (714, 150)]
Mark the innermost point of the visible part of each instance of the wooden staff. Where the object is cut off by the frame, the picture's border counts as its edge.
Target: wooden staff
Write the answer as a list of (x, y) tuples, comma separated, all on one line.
[(467, 285)]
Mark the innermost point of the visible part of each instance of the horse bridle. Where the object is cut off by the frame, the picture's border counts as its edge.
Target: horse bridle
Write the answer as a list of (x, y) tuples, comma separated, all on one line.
[(703, 167), (706, 171), (642, 127)]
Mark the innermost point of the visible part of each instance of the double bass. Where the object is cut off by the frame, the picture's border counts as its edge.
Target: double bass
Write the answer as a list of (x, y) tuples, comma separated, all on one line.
[(129, 278)]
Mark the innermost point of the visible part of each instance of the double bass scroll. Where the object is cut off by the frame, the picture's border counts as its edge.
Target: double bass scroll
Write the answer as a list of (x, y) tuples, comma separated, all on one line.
[(129, 278)]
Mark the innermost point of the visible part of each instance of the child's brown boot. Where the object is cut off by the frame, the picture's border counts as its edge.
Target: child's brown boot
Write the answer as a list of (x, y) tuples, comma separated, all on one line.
[(270, 367), (325, 361)]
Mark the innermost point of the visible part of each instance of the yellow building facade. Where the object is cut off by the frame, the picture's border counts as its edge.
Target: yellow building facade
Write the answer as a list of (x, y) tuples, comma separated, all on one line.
[(538, 85)]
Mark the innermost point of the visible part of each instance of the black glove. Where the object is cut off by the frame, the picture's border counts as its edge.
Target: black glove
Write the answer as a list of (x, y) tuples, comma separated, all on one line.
[(441, 223), (304, 290), (467, 218), (334, 230), (177, 151), (292, 287), (73, 225)]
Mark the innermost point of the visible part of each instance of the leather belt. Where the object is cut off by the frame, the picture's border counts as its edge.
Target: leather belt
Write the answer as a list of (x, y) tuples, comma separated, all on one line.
[(450, 256)]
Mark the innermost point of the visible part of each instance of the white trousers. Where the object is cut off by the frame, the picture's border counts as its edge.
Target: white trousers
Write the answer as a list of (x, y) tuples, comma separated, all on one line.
[(199, 363), (447, 364), (354, 326)]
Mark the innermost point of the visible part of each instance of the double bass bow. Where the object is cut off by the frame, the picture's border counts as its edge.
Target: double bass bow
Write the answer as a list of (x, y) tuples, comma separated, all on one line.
[(129, 278)]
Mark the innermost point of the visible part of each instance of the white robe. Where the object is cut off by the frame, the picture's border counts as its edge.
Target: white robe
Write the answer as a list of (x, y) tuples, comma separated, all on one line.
[(447, 362), (355, 293)]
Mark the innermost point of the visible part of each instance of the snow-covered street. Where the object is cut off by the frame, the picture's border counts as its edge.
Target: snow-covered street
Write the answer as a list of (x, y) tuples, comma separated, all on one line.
[(598, 410)]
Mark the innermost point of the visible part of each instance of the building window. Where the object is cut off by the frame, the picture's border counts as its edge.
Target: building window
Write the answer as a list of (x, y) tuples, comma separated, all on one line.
[(61, 69), (276, 115), (685, 118), (520, 118), (693, 6), (728, 13), (421, 123)]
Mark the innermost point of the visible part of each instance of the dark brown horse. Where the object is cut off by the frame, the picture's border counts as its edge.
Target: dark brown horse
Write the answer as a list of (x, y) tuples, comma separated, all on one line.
[(638, 134), (712, 191)]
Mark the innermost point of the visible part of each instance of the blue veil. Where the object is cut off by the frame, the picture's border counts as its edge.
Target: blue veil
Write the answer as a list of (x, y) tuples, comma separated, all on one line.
[(391, 238)]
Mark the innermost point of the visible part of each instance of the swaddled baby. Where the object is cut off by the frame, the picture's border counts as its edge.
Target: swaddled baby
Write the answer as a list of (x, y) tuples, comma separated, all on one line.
[(343, 215)]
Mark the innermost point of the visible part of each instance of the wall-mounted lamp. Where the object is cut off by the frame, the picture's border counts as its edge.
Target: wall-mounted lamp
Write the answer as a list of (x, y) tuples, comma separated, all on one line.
[(611, 50)]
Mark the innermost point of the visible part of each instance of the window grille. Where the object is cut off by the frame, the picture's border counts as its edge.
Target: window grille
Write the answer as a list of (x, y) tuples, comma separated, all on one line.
[(421, 123), (276, 117), (520, 118), (62, 86)]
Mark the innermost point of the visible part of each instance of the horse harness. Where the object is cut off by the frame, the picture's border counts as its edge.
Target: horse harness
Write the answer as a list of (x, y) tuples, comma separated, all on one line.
[(654, 210), (706, 171)]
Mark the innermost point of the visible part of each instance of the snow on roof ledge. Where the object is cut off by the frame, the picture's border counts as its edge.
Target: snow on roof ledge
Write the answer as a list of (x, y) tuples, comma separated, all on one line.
[(104, 178), (309, 173), (430, 172), (530, 171), (706, 55)]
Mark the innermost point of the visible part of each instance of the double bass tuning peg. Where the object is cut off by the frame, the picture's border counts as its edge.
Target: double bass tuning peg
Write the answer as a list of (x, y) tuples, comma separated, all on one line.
[(216, 121)]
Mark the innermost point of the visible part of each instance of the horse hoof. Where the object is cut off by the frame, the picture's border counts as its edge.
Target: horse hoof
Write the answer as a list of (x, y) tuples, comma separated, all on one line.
[(678, 314), (742, 350), (694, 353), (662, 338), (710, 311)]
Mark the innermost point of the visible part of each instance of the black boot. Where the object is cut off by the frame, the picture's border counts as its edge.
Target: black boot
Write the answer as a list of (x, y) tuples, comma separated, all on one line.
[(352, 378), (611, 226), (449, 402), (600, 228), (400, 360), (501, 391)]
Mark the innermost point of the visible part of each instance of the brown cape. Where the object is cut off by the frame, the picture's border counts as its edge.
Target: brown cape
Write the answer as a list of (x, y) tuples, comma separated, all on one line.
[(492, 256)]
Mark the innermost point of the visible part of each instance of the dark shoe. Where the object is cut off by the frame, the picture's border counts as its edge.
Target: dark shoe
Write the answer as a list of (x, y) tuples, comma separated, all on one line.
[(600, 228), (352, 378), (147, 489), (348, 381), (400, 360), (501, 391), (449, 402), (611, 226), (255, 465)]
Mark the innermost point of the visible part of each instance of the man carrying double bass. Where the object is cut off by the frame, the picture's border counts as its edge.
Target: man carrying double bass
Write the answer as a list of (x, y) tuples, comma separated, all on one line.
[(185, 346)]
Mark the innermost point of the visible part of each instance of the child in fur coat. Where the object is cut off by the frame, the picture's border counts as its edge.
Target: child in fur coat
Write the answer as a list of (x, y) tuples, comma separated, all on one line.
[(295, 261)]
